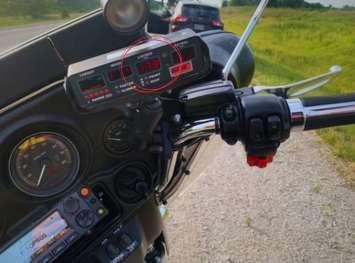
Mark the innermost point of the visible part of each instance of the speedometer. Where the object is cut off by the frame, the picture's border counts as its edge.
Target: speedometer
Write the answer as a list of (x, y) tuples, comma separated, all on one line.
[(44, 164)]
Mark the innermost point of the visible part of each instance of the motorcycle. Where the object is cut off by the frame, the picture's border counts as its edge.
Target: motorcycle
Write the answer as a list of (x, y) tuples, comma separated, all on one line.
[(103, 123)]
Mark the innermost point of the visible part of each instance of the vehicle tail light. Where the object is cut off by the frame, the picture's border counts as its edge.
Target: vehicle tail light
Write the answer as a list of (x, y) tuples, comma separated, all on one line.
[(181, 19), (217, 23)]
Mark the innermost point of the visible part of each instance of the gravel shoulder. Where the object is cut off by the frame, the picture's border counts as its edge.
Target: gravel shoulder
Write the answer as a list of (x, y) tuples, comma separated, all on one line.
[(297, 210)]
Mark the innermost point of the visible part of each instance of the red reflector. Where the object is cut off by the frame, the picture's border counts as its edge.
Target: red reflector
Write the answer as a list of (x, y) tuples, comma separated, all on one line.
[(180, 69)]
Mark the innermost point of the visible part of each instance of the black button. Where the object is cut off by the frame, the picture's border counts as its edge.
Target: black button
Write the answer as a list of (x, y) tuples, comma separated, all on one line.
[(85, 218), (274, 127), (59, 248), (112, 250), (256, 129), (125, 241), (71, 205), (72, 238), (46, 259)]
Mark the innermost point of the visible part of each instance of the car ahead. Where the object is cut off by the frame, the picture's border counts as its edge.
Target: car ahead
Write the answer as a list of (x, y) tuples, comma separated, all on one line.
[(196, 16)]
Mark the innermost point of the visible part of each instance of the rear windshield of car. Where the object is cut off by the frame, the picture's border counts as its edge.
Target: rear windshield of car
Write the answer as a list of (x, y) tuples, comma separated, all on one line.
[(200, 11)]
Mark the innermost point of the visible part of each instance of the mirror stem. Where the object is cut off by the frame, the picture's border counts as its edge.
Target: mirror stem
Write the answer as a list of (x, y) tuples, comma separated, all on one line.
[(243, 40)]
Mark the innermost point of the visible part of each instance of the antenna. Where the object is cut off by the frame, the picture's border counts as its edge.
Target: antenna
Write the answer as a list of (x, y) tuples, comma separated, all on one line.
[(243, 40)]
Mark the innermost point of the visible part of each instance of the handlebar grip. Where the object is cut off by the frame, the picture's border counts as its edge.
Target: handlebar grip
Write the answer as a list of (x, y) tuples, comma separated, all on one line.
[(318, 101), (322, 112)]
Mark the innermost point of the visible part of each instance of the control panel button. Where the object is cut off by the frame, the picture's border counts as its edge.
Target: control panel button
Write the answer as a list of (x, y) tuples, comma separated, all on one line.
[(71, 205), (93, 200), (85, 192), (72, 238), (256, 129), (112, 250), (59, 248), (85, 218), (125, 241), (274, 127)]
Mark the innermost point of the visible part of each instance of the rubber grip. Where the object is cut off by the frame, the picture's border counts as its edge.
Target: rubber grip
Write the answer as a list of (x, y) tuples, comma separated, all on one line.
[(323, 112), (314, 101)]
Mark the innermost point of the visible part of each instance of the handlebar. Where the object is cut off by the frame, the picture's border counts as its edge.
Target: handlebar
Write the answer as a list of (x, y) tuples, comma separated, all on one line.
[(321, 112), (303, 114)]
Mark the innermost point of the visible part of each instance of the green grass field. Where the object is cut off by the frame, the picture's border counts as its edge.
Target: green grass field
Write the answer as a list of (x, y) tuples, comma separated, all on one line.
[(292, 44), (8, 21)]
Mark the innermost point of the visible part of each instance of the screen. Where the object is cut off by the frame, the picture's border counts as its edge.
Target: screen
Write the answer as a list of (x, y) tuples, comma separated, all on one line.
[(149, 65), (25, 249), (186, 54), (96, 82), (116, 74)]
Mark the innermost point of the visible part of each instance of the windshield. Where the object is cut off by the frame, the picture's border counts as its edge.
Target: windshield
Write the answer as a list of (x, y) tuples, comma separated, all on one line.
[(22, 20), (200, 11)]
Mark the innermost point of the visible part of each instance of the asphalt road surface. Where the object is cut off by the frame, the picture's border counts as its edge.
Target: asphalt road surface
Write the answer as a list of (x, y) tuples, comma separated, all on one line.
[(297, 210), (12, 36)]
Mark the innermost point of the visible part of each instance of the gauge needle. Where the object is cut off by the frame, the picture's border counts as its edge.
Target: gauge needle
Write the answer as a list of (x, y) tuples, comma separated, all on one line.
[(114, 139), (41, 175)]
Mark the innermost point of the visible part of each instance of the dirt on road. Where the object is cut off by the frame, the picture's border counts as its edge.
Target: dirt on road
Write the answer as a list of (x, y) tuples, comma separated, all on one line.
[(297, 210)]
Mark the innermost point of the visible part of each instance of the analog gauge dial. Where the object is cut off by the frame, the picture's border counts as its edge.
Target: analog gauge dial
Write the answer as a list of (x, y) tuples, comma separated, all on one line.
[(116, 137), (44, 164)]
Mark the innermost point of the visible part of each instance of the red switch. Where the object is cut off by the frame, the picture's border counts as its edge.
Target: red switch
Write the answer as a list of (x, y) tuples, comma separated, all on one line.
[(259, 161)]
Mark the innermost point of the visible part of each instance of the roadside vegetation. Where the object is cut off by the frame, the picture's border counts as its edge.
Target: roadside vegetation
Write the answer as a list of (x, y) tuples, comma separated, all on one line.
[(21, 12), (291, 44), (9, 21)]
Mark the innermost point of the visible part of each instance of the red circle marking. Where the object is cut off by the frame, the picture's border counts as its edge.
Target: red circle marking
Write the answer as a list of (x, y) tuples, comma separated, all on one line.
[(142, 40)]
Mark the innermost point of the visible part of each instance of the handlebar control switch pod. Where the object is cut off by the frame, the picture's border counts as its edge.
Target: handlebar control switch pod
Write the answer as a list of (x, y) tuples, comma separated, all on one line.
[(266, 124), (260, 122)]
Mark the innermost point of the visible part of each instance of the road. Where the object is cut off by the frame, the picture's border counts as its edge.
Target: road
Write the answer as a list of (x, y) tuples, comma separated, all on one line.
[(14, 35), (297, 210)]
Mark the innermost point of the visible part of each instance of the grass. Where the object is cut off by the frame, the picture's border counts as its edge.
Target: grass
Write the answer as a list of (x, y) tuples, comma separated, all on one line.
[(8, 21), (292, 44)]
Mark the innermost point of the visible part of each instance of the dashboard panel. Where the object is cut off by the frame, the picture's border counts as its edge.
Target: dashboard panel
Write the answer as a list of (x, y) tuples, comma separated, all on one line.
[(100, 146), (139, 72), (53, 113)]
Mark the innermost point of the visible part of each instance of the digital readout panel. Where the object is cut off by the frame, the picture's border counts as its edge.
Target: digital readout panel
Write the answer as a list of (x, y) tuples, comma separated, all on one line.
[(96, 82), (117, 74), (185, 55), (26, 249), (149, 65)]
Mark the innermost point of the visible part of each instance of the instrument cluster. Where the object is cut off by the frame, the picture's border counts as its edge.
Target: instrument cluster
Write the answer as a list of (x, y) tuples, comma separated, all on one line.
[(44, 164), (144, 70)]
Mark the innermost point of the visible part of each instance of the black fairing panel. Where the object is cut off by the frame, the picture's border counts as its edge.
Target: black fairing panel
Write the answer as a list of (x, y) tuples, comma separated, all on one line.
[(27, 70), (91, 37), (221, 46), (44, 60)]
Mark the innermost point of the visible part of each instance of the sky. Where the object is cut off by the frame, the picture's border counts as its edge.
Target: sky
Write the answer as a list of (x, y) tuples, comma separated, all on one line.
[(335, 3)]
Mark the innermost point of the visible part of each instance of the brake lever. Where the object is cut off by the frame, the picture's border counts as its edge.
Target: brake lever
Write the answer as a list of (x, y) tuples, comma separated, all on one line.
[(303, 86)]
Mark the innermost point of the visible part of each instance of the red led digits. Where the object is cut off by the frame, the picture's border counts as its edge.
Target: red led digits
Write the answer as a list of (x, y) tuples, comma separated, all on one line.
[(149, 65)]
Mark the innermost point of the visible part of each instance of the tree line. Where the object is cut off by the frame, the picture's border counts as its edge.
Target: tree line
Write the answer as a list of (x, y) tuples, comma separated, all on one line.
[(281, 3), (41, 8)]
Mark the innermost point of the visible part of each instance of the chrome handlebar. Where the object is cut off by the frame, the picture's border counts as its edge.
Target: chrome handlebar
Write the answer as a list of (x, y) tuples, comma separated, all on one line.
[(197, 129), (302, 117), (310, 117)]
